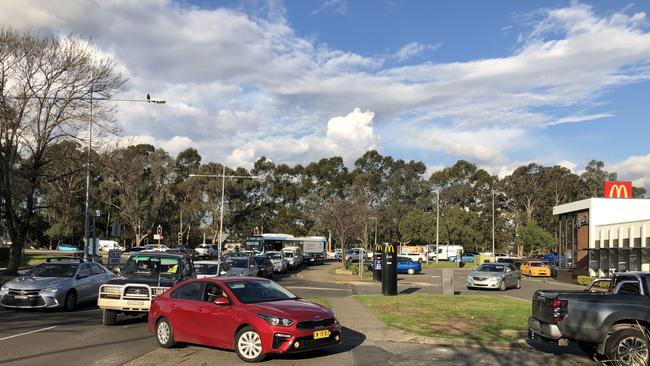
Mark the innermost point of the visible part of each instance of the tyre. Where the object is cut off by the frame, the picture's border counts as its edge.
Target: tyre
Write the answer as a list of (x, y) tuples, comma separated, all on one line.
[(410, 271), (518, 283), (70, 300), (503, 285), (165, 334), (628, 346), (109, 317), (248, 345)]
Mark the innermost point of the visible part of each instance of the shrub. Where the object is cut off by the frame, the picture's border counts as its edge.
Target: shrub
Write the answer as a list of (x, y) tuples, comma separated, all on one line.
[(584, 280)]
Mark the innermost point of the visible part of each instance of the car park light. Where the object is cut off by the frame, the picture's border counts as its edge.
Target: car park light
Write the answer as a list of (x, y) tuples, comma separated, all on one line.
[(4, 289)]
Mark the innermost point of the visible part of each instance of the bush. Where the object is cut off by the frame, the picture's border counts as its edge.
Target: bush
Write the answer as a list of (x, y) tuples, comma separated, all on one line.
[(583, 280)]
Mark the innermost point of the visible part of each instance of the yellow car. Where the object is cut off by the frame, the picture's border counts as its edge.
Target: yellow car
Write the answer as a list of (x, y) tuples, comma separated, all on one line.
[(535, 269)]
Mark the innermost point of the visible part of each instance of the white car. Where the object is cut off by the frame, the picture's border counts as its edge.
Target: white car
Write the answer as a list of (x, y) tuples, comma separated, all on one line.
[(206, 251), (211, 269), (280, 264), (155, 248)]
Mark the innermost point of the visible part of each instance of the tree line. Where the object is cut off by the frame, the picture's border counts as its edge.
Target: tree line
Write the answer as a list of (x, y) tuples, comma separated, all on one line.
[(46, 86)]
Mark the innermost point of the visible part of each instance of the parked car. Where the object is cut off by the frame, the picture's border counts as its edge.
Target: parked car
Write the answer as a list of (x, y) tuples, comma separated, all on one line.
[(206, 251), (242, 266), (468, 257), (206, 269), (68, 247), (353, 255), (314, 258), (338, 254), (144, 276), (612, 324), (280, 264), (59, 282), (155, 248), (408, 265), (106, 245), (253, 317), (499, 276), (535, 269), (264, 266)]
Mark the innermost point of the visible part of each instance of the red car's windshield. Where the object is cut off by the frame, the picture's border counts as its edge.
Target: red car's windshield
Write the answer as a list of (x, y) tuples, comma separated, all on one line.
[(250, 292)]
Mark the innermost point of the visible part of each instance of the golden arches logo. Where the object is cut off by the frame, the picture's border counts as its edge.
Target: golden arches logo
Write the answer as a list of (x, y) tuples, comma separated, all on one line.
[(618, 188), (390, 248), (378, 248)]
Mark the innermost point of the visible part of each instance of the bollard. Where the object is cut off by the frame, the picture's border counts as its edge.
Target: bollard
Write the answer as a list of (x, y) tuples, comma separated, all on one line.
[(447, 281)]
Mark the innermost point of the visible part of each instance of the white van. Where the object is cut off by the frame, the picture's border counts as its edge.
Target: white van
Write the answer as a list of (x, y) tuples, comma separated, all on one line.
[(294, 256), (446, 251), (106, 245)]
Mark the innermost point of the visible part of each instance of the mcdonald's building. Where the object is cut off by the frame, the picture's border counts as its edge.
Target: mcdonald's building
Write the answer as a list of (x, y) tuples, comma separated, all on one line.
[(598, 236)]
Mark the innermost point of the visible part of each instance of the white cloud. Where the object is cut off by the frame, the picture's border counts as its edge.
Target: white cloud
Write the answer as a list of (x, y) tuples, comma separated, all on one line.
[(240, 85), (336, 6), (567, 164), (634, 168), (413, 49)]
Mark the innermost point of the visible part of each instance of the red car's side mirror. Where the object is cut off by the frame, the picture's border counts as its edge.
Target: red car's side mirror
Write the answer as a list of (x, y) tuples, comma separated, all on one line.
[(222, 301)]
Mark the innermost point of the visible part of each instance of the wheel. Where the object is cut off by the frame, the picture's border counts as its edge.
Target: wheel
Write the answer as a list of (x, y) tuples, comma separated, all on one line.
[(410, 271), (503, 285), (248, 345), (165, 334), (628, 346), (518, 283), (109, 317), (70, 300)]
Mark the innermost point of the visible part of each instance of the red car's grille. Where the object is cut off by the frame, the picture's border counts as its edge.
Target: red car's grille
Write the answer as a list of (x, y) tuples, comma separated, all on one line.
[(313, 324)]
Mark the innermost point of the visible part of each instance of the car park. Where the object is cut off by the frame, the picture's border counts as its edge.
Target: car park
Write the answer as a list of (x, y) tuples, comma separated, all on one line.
[(145, 276), (205, 269), (264, 266), (280, 264), (242, 266), (57, 283), (535, 269), (254, 317), (498, 276), (408, 265)]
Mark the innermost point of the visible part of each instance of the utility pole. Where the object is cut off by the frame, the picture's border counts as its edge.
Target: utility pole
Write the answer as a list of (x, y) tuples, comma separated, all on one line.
[(437, 221), (493, 253)]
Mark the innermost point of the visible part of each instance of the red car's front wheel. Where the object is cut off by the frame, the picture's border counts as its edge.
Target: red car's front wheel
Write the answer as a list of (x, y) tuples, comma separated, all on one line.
[(248, 345)]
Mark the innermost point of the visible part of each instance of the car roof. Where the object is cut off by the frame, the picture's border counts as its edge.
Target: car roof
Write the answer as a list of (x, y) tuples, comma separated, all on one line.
[(207, 262), (159, 254)]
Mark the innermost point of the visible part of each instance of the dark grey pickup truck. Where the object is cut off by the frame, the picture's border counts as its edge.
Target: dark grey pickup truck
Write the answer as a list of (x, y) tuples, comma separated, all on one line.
[(613, 324)]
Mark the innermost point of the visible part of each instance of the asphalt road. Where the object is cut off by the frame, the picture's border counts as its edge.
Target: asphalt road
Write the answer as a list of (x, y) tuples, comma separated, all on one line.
[(78, 338)]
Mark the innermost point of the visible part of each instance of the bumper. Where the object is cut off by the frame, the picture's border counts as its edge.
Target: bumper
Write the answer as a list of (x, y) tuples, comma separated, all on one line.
[(483, 284), (540, 273), (302, 340), (31, 302), (278, 267), (124, 305), (543, 331)]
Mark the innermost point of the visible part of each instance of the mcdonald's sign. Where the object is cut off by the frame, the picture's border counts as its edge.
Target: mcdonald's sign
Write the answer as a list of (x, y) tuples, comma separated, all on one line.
[(389, 248), (618, 190)]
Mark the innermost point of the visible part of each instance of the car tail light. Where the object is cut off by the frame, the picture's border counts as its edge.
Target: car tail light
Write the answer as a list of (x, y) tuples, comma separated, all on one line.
[(560, 309)]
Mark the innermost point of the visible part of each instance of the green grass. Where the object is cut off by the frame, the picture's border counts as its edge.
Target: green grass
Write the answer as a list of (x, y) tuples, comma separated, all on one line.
[(319, 300), (478, 317), (445, 264)]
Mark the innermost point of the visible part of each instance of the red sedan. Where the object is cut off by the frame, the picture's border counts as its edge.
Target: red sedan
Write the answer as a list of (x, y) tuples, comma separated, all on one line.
[(253, 316)]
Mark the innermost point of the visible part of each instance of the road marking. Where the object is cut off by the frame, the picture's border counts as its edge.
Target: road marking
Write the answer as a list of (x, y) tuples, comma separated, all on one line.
[(27, 333), (317, 288)]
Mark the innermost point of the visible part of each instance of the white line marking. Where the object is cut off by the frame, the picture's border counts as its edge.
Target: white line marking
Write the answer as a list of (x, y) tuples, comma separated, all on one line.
[(27, 333), (318, 288)]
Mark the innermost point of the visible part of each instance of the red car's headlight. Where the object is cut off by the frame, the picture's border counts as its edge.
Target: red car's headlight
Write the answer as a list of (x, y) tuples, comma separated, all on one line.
[(275, 320)]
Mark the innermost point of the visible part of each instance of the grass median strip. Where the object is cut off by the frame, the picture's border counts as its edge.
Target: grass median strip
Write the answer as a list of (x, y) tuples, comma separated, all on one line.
[(484, 318)]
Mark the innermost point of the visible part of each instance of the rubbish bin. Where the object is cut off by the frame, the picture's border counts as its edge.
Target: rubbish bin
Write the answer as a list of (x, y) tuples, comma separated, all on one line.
[(389, 270), (376, 265)]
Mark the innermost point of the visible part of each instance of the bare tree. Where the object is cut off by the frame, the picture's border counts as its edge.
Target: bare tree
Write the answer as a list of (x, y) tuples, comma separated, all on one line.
[(45, 88)]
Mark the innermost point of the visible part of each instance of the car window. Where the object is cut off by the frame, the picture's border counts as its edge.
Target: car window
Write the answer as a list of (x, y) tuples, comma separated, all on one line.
[(190, 291), (206, 268), (85, 271), (212, 292), (259, 291), (96, 269), (54, 270), (491, 268), (629, 288), (512, 268), (225, 267)]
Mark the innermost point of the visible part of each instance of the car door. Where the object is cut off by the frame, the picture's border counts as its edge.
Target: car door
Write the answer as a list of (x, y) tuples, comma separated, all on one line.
[(98, 278), (184, 305), (214, 324), (84, 283)]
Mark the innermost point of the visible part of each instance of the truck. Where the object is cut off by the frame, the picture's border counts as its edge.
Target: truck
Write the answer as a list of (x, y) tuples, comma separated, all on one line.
[(418, 253), (613, 324), (106, 245), (144, 276)]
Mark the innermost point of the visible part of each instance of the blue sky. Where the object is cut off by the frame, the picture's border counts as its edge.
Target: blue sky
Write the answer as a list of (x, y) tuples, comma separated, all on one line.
[(498, 83)]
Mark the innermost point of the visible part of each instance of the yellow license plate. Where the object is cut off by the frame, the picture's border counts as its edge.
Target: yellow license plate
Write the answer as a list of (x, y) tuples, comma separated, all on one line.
[(320, 334)]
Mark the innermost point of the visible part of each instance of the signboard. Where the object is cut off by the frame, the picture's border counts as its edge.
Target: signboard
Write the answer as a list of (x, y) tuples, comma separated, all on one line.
[(618, 190), (413, 249), (157, 237), (114, 256)]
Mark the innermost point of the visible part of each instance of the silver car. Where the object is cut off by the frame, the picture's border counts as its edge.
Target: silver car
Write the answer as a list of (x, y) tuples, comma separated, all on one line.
[(500, 276), (55, 283), (280, 263), (242, 266)]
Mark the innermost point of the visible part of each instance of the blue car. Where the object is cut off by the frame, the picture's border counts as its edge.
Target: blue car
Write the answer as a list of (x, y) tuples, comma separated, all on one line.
[(407, 265), (67, 247)]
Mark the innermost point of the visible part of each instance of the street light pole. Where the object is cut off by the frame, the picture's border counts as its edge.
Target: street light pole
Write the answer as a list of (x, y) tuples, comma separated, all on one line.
[(437, 221), (223, 177), (493, 253)]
